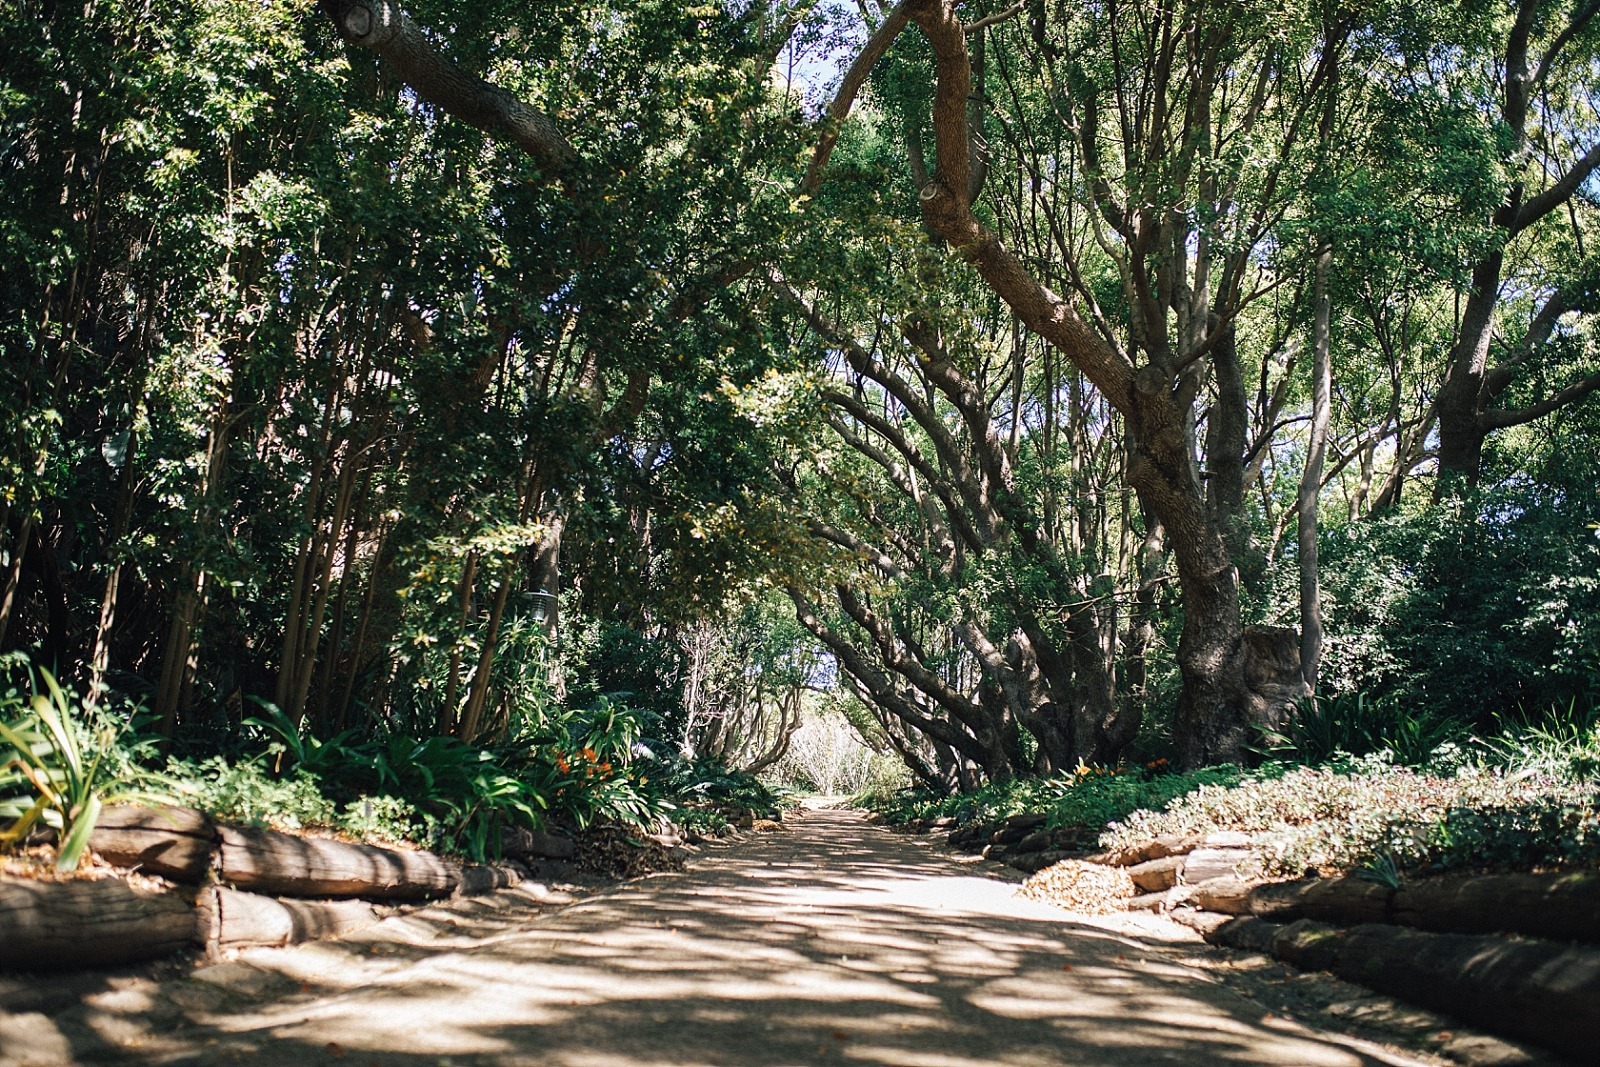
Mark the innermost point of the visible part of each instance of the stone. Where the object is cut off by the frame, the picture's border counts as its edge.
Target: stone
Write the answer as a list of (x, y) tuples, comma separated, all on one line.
[(520, 843), (1229, 895), (1145, 851), (1158, 874), (1017, 827), (1204, 864), (1037, 841), (1029, 862)]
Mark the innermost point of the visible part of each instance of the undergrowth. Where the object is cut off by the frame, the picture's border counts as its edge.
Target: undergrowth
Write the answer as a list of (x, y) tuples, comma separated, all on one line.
[(1087, 798), (1367, 813)]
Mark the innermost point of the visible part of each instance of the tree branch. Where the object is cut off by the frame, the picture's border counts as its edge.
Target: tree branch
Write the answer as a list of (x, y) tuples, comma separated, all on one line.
[(877, 45), (382, 27), (1539, 206), (1499, 420)]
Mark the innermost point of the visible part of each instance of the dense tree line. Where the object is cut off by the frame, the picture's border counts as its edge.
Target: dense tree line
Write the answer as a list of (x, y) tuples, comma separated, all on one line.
[(1060, 380)]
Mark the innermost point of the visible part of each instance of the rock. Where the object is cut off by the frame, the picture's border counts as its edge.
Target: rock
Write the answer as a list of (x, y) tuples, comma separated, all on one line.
[(1148, 902), (973, 836), (1029, 862), (1204, 864), (1145, 851), (1229, 895), (1157, 874), (1037, 841), (1227, 839), (1246, 933), (1017, 827), (1203, 921), (995, 852), (943, 822), (541, 844)]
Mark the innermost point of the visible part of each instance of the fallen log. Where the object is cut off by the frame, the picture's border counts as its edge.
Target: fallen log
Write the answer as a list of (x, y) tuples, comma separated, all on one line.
[(1541, 991), (175, 843), (231, 919), (478, 879), (54, 926), (265, 861)]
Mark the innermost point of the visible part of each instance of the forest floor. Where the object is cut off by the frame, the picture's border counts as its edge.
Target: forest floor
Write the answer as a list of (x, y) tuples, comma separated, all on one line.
[(831, 941)]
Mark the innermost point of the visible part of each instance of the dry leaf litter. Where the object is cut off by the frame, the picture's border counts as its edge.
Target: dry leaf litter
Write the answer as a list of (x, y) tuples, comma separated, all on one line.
[(1090, 888)]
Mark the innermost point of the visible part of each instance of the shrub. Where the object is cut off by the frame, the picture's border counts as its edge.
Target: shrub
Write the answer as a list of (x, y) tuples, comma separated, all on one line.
[(1364, 812)]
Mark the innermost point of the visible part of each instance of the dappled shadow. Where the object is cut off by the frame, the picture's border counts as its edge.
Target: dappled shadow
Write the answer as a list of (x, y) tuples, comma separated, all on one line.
[(832, 943)]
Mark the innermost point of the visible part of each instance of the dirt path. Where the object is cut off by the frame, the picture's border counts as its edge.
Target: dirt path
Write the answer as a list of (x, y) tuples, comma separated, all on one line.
[(832, 942)]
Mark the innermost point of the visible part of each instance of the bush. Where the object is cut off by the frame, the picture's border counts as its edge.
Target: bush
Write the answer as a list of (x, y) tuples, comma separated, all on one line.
[(1324, 728), (1370, 812)]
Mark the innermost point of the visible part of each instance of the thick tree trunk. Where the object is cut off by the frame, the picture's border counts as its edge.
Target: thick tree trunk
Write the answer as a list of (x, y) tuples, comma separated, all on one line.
[(1461, 431)]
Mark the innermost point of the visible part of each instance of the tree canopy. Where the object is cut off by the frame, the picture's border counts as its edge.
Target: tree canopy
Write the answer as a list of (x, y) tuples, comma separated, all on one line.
[(1046, 382)]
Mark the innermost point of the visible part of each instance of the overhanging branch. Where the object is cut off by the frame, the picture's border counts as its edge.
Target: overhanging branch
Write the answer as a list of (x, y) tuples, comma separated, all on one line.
[(382, 27)]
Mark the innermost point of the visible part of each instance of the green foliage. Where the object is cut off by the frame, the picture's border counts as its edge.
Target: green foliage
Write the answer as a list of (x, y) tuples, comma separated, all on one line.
[(1321, 729), (54, 767), (1463, 614), (709, 797), (249, 792), (1089, 798)]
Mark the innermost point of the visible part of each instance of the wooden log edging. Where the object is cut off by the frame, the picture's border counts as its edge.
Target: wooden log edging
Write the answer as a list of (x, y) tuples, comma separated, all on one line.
[(331, 886), (228, 919), (1562, 906), (175, 843), (1541, 991), (56, 926), (278, 864)]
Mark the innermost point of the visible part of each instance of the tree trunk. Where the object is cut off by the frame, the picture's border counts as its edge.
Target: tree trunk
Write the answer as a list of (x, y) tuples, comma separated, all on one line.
[(1311, 477)]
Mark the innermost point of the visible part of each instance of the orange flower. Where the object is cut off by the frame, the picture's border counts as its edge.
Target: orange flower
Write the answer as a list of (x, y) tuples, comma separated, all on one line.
[(562, 765)]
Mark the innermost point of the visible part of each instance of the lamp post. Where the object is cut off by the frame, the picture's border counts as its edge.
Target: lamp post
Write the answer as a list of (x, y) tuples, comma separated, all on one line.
[(541, 603)]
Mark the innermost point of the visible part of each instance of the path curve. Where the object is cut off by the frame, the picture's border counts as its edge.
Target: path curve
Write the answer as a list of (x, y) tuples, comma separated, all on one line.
[(831, 942)]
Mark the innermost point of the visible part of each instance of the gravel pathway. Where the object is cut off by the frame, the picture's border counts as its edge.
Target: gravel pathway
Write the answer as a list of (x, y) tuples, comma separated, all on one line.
[(830, 942)]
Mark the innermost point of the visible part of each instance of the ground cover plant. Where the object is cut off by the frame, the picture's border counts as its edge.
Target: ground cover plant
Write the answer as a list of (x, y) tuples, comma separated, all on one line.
[(1373, 815)]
